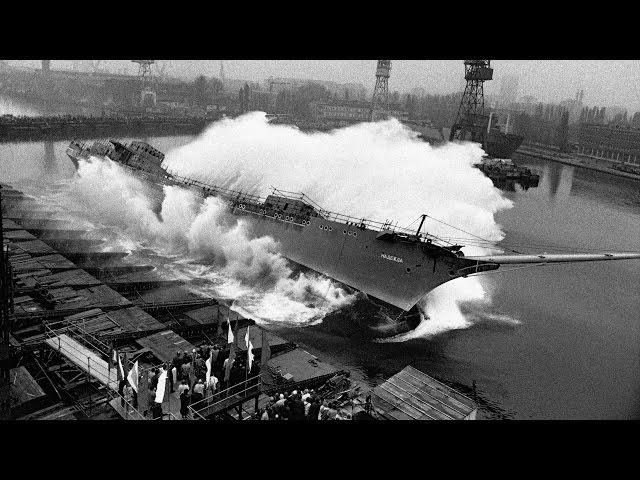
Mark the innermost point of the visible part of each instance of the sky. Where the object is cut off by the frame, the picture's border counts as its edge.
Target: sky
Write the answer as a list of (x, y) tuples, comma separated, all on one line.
[(605, 82)]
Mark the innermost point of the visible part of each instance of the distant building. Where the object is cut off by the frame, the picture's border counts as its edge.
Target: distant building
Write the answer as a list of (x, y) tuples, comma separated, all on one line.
[(610, 142), (345, 113), (347, 91)]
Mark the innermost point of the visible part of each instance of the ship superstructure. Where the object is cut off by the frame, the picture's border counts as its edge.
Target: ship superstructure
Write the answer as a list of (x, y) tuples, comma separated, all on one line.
[(391, 264)]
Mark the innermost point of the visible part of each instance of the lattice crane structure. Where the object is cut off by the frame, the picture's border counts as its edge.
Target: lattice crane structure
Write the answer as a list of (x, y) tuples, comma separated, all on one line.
[(380, 100), (471, 121)]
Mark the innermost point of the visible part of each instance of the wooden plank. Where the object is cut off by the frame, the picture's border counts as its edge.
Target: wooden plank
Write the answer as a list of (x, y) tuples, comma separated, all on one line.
[(84, 359), (441, 387), (392, 399), (23, 387), (424, 402)]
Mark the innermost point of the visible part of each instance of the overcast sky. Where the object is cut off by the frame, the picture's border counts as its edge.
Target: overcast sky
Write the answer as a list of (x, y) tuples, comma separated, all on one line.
[(605, 82)]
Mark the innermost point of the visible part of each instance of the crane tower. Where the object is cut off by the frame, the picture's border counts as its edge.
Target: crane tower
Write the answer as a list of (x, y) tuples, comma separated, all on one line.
[(380, 100), (147, 93), (471, 121)]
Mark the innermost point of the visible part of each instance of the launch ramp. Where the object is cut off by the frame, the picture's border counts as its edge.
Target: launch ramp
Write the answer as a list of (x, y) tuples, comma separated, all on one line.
[(84, 359), (413, 395)]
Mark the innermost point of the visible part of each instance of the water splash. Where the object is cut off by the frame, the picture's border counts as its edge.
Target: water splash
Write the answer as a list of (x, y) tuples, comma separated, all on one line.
[(376, 170)]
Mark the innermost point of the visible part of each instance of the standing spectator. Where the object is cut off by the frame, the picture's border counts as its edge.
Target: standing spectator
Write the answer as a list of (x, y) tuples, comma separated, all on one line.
[(215, 351), (128, 397), (169, 368), (153, 378), (200, 368), (123, 383), (184, 400), (307, 407), (297, 408), (305, 395), (198, 392), (182, 387), (151, 397), (212, 386), (279, 406), (186, 371), (314, 409), (177, 362)]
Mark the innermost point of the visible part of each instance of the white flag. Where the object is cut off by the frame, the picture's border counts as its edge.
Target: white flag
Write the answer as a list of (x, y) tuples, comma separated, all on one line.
[(120, 367), (250, 355), (246, 338), (133, 377), (162, 382), (208, 374), (230, 335)]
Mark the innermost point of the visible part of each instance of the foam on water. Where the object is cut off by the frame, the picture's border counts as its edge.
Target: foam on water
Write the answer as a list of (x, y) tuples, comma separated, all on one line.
[(373, 170)]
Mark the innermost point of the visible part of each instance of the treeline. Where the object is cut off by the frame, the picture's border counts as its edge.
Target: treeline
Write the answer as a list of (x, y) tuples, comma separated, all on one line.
[(545, 130)]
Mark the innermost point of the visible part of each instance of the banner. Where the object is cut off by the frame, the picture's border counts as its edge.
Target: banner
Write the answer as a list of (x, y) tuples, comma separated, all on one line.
[(230, 334), (162, 382), (133, 377), (250, 355), (208, 364)]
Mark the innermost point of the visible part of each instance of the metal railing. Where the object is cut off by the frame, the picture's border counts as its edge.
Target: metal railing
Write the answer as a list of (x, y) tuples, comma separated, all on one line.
[(91, 341), (256, 202), (229, 396)]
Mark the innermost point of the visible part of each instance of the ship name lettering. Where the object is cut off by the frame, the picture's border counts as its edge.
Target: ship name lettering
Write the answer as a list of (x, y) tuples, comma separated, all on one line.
[(391, 257)]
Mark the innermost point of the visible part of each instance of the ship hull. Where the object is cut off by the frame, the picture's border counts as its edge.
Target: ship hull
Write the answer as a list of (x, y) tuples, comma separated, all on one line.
[(502, 145), (153, 191), (396, 270)]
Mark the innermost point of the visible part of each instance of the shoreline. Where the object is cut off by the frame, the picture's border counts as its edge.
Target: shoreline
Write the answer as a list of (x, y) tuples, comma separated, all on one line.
[(553, 156)]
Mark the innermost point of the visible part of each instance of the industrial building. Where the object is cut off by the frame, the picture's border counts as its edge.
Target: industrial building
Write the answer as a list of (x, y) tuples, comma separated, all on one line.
[(346, 112), (609, 142)]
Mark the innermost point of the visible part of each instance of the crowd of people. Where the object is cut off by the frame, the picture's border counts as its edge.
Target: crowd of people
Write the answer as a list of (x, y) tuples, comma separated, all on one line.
[(187, 374), (301, 406)]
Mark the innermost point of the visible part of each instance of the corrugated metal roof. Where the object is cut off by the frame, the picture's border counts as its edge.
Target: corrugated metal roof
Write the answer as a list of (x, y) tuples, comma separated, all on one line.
[(413, 395)]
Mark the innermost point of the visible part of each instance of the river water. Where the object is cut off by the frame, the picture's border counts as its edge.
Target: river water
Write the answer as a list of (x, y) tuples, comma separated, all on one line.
[(564, 341)]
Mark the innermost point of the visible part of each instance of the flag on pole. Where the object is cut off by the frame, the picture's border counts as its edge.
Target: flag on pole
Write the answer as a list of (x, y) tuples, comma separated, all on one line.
[(162, 382), (249, 355), (208, 363), (125, 366), (230, 334), (121, 375), (133, 377), (246, 338)]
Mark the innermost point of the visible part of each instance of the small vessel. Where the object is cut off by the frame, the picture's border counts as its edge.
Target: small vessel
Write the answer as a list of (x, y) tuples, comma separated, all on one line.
[(393, 266), (504, 172)]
